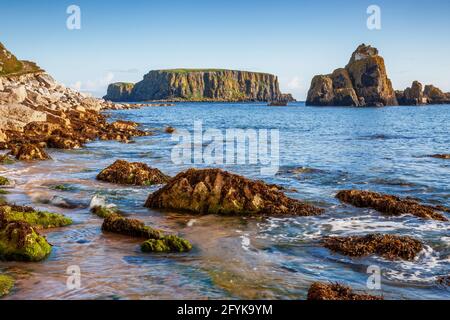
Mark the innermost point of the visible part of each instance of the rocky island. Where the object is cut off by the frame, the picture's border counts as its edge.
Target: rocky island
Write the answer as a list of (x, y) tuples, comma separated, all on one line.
[(364, 83), (200, 85)]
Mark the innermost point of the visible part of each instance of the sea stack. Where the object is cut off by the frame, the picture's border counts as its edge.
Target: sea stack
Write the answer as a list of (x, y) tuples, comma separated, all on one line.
[(200, 85), (363, 82)]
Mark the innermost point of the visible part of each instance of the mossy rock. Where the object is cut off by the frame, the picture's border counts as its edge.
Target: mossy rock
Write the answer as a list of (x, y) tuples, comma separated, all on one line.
[(103, 212), (4, 181), (6, 285), (37, 219), (3, 191), (6, 160), (169, 243), (129, 227), (20, 242)]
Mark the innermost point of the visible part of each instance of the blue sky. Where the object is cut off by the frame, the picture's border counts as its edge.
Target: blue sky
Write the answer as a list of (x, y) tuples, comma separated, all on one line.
[(123, 40)]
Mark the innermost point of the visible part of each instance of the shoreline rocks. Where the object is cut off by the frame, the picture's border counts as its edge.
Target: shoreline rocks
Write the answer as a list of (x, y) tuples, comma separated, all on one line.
[(214, 191), (363, 82), (390, 205), (390, 247), (132, 173), (336, 291), (199, 85)]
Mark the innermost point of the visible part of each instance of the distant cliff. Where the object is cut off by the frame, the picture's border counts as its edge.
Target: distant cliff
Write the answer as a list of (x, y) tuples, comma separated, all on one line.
[(200, 85), (363, 82)]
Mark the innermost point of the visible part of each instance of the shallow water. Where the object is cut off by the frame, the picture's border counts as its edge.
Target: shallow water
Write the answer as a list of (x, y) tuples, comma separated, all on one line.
[(322, 150)]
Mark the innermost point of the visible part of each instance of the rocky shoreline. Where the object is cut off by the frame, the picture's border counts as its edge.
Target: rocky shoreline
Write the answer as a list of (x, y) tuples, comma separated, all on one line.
[(36, 113)]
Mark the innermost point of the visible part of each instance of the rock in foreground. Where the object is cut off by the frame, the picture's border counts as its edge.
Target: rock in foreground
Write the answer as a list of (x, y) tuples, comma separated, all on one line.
[(363, 82), (388, 246), (20, 242), (389, 204), (134, 173), (6, 285), (214, 191), (335, 291), (156, 241), (29, 152)]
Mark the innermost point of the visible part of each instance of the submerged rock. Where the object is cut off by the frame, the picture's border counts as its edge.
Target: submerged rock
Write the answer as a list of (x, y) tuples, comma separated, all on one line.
[(6, 285), (389, 204), (4, 181), (129, 227), (336, 291), (156, 241), (214, 191), (363, 82), (169, 243), (169, 130), (28, 152), (132, 173), (388, 246), (20, 242), (37, 219)]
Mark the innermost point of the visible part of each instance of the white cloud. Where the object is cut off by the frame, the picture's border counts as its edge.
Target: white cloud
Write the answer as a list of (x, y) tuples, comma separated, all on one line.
[(294, 83), (98, 85)]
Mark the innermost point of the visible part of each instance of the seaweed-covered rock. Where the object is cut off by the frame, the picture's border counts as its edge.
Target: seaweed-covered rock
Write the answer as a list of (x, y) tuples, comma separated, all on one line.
[(102, 211), (336, 291), (169, 243), (132, 173), (4, 181), (388, 246), (28, 152), (37, 219), (6, 159), (20, 242), (389, 204), (214, 191), (6, 285), (129, 227)]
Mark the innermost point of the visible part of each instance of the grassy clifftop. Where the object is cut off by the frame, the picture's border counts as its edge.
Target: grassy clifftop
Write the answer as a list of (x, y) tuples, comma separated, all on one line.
[(11, 66)]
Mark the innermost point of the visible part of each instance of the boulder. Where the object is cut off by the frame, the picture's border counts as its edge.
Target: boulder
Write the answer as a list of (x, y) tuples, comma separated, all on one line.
[(132, 173), (391, 205), (16, 116), (20, 242), (214, 191), (390, 247), (28, 152), (6, 285), (363, 82), (336, 291), (168, 243)]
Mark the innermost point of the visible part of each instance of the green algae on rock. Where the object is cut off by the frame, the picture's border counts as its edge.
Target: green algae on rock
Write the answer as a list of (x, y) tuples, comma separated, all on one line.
[(390, 205), (214, 191), (336, 291), (6, 160), (20, 242), (168, 243), (6, 284), (390, 247), (102, 211), (37, 219), (129, 227), (4, 181), (132, 173)]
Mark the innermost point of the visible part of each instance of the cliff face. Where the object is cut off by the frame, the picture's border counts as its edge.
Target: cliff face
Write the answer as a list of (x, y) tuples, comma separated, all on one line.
[(202, 85), (120, 91), (363, 82)]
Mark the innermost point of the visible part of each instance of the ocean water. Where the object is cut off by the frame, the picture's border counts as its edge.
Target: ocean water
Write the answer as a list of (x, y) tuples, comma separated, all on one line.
[(322, 151)]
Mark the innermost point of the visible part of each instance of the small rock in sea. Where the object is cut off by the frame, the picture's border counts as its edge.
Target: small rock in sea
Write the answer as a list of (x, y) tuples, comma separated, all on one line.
[(169, 130), (156, 241), (440, 156), (214, 191), (132, 173), (387, 246), (336, 291), (389, 204), (169, 243), (6, 159), (6, 285), (28, 152), (444, 281)]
